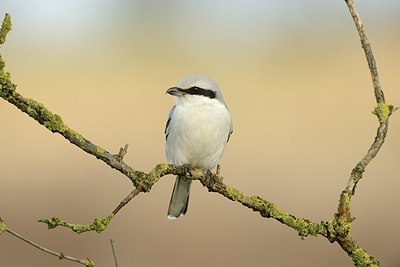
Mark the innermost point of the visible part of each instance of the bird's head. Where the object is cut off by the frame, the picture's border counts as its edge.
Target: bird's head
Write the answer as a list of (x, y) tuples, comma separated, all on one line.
[(196, 87)]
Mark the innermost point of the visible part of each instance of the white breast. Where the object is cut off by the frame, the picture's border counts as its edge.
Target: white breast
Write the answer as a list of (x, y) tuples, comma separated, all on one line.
[(198, 131)]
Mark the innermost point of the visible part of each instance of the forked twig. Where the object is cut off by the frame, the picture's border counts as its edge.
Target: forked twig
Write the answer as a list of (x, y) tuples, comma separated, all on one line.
[(60, 255)]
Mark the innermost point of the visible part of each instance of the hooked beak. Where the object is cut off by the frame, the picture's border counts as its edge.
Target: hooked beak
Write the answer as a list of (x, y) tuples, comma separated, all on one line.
[(176, 91)]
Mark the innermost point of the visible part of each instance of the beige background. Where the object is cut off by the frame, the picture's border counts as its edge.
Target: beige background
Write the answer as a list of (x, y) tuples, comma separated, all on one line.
[(295, 79)]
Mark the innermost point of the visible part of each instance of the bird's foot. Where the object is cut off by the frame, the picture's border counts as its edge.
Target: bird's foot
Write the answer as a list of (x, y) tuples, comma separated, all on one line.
[(186, 170), (211, 178)]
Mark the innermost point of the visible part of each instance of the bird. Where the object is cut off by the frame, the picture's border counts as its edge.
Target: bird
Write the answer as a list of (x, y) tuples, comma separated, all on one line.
[(198, 127)]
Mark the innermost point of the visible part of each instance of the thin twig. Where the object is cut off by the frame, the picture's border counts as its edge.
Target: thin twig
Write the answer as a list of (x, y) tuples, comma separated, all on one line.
[(359, 169), (380, 98), (114, 253), (60, 255), (343, 220), (122, 152), (357, 172), (128, 198)]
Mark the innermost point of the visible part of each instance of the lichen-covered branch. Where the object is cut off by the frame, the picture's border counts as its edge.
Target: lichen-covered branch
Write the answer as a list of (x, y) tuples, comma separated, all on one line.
[(342, 228), (343, 217), (60, 255), (54, 123), (6, 27), (98, 225), (382, 111)]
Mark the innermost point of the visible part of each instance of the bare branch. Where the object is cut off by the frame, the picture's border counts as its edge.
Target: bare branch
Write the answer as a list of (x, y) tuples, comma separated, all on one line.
[(380, 98), (114, 253), (343, 217), (61, 256), (357, 172), (122, 152), (382, 111), (128, 198)]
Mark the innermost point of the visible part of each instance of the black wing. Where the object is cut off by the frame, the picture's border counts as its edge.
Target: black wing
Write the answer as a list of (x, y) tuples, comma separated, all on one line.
[(166, 131)]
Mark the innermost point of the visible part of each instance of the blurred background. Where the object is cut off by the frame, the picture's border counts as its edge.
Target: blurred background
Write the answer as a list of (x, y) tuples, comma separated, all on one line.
[(296, 82)]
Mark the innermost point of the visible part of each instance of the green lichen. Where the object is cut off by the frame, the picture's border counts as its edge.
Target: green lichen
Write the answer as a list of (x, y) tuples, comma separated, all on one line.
[(382, 111), (276, 213), (5, 78), (361, 259), (345, 201), (100, 150), (303, 226), (235, 194), (98, 225), (40, 113), (88, 263), (78, 136), (307, 228), (5, 82), (55, 123), (53, 222), (258, 201), (2, 63), (147, 181), (162, 168), (5, 28), (343, 216), (2, 226), (7, 89)]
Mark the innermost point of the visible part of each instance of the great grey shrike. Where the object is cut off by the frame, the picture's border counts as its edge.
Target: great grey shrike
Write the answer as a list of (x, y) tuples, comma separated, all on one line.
[(198, 127)]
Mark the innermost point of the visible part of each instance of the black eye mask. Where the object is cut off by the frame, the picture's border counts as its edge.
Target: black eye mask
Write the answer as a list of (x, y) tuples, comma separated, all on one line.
[(199, 91)]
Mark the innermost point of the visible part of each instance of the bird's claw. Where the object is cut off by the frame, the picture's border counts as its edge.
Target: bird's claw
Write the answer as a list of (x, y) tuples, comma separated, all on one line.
[(186, 170), (211, 178)]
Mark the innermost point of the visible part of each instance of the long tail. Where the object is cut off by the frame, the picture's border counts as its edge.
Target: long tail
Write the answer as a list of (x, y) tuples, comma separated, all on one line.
[(180, 198)]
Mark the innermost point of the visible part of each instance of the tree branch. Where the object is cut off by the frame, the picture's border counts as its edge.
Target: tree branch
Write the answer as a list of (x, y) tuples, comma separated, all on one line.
[(6, 27), (128, 198), (61, 256), (122, 152), (382, 111), (343, 217), (380, 98), (98, 225), (114, 252)]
